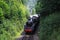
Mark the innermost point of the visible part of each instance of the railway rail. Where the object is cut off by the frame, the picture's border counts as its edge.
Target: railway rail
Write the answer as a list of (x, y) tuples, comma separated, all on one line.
[(28, 37)]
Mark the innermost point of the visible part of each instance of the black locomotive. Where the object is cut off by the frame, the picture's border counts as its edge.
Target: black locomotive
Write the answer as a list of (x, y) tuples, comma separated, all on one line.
[(32, 24)]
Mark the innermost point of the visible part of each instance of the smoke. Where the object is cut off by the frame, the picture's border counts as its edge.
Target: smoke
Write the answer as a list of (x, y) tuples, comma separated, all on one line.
[(31, 6)]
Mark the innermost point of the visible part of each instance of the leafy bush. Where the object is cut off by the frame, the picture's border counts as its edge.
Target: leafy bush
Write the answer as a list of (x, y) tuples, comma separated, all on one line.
[(12, 18), (50, 27), (49, 23)]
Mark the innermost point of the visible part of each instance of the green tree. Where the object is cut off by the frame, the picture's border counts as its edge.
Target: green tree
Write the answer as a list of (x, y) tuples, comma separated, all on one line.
[(12, 17)]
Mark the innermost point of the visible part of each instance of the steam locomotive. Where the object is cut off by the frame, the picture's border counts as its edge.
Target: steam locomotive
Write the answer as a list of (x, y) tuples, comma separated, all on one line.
[(32, 24)]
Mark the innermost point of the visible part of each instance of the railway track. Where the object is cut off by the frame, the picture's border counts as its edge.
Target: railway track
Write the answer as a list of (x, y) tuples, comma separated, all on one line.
[(28, 37)]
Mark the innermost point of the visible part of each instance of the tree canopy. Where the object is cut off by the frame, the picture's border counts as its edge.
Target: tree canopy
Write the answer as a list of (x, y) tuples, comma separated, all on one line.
[(13, 15)]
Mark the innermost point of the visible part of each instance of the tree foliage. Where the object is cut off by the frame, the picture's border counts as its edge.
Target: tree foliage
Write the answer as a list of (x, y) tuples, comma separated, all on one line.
[(12, 17), (50, 27), (49, 22), (46, 7)]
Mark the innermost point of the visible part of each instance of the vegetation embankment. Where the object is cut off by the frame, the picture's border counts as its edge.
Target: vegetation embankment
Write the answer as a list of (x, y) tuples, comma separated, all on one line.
[(12, 18), (49, 21)]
